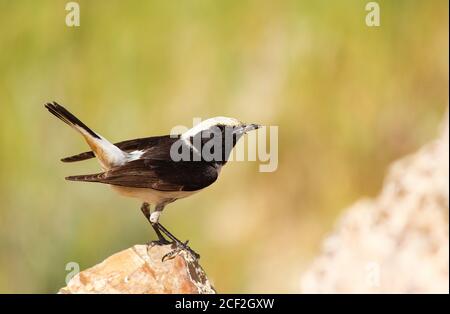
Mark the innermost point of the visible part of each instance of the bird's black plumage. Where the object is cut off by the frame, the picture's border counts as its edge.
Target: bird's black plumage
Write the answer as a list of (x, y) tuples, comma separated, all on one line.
[(162, 175), (147, 144), (62, 113), (152, 165)]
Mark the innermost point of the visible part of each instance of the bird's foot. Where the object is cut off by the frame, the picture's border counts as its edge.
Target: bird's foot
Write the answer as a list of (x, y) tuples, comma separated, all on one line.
[(158, 242), (180, 247)]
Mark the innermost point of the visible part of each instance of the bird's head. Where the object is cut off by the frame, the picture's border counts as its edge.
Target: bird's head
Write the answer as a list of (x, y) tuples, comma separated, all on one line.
[(218, 132)]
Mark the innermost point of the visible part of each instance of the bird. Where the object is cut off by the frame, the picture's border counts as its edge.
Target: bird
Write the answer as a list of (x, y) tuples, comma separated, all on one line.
[(158, 170)]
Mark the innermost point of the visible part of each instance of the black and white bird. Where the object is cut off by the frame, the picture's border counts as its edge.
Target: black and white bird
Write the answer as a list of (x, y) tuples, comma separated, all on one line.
[(145, 168)]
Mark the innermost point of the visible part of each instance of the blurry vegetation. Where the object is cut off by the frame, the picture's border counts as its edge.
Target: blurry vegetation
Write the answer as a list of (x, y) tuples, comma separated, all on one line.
[(348, 99)]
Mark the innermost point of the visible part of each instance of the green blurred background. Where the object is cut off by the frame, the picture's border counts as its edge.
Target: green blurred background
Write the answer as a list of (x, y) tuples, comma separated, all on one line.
[(348, 100)]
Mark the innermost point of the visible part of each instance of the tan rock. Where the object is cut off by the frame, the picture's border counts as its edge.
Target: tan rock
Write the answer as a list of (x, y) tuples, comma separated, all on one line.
[(140, 269)]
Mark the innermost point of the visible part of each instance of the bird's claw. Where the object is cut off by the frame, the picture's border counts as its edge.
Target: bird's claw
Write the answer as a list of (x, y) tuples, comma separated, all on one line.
[(180, 247), (153, 243), (158, 242)]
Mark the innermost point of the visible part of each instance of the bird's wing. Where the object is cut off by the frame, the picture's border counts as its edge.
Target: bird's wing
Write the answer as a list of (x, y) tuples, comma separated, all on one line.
[(146, 144), (163, 175)]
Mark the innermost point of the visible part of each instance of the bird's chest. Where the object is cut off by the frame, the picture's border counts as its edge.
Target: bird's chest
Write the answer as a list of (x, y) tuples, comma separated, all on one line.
[(149, 195)]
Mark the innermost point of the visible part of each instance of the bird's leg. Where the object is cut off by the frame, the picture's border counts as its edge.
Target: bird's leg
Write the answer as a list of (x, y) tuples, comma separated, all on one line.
[(168, 234), (180, 246), (145, 208)]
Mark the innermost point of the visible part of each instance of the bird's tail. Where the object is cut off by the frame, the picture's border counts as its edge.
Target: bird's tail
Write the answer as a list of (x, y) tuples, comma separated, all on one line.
[(107, 153)]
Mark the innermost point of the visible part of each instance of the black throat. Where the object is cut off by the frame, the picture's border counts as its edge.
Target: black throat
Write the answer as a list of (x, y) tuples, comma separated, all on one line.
[(214, 146)]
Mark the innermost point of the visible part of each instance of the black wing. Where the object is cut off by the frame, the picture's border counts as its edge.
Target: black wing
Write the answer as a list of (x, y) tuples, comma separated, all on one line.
[(147, 144), (163, 175)]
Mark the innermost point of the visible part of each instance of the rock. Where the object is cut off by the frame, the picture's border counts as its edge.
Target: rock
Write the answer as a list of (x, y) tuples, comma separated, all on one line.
[(398, 242), (138, 270)]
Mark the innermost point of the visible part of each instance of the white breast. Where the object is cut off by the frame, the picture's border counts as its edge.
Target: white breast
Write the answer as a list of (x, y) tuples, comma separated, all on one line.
[(149, 195)]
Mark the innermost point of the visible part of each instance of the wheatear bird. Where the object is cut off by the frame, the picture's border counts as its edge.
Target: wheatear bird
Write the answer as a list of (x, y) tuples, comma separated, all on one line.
[(161, 169)]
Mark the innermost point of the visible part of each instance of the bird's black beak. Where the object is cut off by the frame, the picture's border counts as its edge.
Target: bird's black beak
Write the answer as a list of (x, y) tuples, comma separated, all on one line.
[(244, 128)]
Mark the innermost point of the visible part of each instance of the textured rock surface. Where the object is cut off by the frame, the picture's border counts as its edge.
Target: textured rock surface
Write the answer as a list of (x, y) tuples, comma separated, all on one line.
[(399, 241), (138, 270)]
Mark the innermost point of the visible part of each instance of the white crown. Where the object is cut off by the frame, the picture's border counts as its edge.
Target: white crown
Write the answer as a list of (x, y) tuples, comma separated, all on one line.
[(208, 123)]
